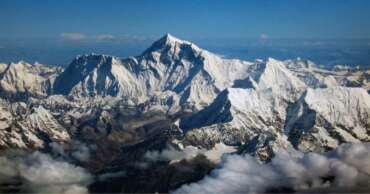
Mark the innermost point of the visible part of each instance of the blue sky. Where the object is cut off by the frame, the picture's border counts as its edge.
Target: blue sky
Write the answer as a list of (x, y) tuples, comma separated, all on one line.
[(237, 19), (122, 24)]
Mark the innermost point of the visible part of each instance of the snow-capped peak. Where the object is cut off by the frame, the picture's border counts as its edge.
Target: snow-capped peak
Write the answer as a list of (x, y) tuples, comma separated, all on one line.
[(171, 39), (169, 42), (231, 101), (22, 79), (274, 75), (325, 117), (271, 60)]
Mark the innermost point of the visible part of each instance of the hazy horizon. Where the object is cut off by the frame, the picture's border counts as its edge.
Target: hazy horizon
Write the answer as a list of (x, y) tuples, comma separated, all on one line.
[(323, 52), (327, 32)]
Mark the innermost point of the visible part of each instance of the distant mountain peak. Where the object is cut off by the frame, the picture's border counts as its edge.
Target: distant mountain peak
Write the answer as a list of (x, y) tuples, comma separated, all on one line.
[(272, 61), (169, 37), (170, 41)]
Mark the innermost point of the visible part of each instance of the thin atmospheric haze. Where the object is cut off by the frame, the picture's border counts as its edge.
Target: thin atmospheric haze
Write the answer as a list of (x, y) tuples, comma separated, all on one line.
[(54, 32)]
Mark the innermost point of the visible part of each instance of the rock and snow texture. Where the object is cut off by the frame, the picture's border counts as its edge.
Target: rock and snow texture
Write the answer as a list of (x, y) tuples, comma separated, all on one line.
[(334, 115), (320, 120), (269, 103), (3, 67), (315, 77), (203, 103), (274, 75), (23, 79), (97, 75), (312, 76), (237, 115), (170, 64), (324, 118), (29, 128)]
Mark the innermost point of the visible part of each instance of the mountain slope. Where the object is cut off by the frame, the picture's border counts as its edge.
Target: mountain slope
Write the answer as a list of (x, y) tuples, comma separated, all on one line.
[(263, 122), (273, 75), (312, 76), (97, 75), (25, 128), (109, 99), (20, 80), (175, 110), (170, 64), (237, 116), (324, 118)]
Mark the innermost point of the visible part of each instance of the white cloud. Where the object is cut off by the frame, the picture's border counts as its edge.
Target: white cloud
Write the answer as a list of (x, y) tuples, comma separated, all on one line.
[(172, 154), (78, 150), (77, 36), (40, 173), (135, 38), (104, 37), (74, 36), (264, 36), (81, 153), (348, 165)]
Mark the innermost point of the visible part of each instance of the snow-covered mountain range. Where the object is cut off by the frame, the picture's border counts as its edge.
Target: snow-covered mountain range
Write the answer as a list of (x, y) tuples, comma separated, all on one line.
[(189, 95)]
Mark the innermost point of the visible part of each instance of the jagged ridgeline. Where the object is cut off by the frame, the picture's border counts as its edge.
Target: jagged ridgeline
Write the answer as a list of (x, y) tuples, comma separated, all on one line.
[(179, 95)]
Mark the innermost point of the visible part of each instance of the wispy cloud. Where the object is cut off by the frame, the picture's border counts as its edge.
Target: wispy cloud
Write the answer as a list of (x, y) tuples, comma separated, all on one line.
[(346, 167), (79, 37), (172, 154), (74, 36), (78, 150), (264, 36), (134, 37), (104, 37)]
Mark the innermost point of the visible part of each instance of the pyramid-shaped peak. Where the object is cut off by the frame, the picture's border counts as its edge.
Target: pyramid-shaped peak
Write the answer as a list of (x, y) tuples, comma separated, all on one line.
[(169, 36), (271, 60), (171, 41)]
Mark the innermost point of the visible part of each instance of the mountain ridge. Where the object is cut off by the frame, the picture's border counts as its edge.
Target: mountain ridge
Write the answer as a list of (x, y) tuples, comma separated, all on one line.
[(206, 96)]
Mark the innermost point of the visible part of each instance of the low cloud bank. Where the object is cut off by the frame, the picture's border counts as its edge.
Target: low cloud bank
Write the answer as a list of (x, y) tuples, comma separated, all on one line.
[(346, 167), (78, 151), (173, 154), (40, 173)]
